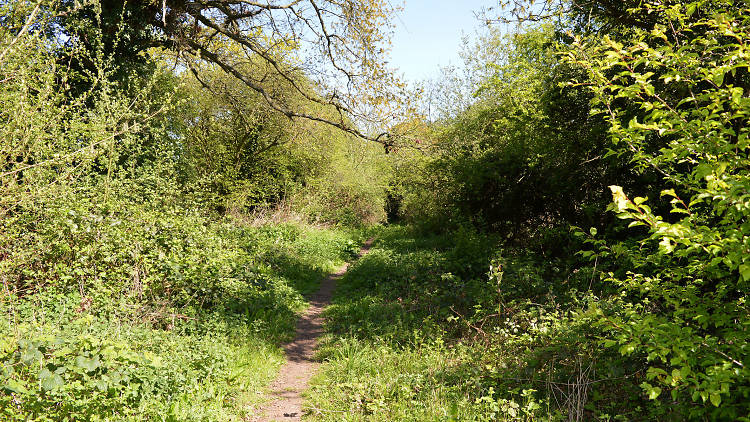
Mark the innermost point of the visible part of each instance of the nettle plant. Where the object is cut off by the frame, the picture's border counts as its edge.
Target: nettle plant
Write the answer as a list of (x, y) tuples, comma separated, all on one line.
[(676, 99)]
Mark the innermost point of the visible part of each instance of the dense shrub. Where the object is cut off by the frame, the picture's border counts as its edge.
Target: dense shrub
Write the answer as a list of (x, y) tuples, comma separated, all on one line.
[(651, 323), (684, 289), (524, 158), (130, 318), (125, 295)]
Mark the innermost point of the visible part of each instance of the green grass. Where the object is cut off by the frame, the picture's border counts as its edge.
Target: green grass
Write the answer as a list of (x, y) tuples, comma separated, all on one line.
[(376, 381), (420, 329), (389, 353), (201, 342), (208, 357)]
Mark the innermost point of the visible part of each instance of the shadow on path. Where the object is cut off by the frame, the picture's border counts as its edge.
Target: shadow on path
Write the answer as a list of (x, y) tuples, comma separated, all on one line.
[(295, 374)]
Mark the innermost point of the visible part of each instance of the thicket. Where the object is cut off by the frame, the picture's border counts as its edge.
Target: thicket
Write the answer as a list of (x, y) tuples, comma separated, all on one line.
[(239, 156), (139, 279), (581, 248), (609, 149)]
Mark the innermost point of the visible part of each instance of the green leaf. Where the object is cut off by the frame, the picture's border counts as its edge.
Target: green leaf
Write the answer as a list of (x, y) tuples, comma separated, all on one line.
[(30, 354), (737, 94), (15, 387), (44, 374), (50, 381), (745, 272), (685, 371), (669, 192), (666, 245), (627, 349), (618, 196), (87, 363), (653, 392), (718, 78), (7, 345), (101, 385), (715, 399)]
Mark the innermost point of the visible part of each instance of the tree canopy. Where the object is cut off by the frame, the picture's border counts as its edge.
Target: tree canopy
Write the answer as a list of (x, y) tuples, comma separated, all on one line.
[(339, 45)]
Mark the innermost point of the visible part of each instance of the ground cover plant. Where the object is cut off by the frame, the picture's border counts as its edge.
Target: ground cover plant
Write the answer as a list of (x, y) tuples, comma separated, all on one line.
[(565, 238), (203, 346), (644, 318), (388, 355), (420, 330), (135, 286)]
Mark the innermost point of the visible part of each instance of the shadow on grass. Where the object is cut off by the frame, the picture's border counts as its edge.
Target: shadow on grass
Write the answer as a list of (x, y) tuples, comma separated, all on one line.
[(406, 288), (286, 264)]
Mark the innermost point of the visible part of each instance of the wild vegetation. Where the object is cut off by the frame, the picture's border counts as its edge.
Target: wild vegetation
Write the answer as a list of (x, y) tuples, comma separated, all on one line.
[(563, 236), (635, 313)]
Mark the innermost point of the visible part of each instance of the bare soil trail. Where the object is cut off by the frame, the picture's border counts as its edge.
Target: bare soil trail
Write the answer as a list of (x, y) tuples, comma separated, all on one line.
[(286, 391)]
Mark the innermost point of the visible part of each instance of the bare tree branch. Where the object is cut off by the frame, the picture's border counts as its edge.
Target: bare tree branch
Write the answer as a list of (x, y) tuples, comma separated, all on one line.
[(345, 33), (273, 103)]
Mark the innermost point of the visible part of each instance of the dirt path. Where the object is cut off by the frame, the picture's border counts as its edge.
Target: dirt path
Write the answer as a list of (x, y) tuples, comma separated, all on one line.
[(295, 374)]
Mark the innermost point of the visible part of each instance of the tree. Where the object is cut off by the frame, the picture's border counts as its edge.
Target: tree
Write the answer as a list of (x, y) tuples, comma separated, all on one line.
[(340, 45), (525, 155), (592, 15)]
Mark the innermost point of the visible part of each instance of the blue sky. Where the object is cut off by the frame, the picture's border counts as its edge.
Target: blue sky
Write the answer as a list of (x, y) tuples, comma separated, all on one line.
[(428, 34)]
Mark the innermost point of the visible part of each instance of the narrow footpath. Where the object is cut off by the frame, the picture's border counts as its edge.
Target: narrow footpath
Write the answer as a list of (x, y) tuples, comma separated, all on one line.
[(285, 402)]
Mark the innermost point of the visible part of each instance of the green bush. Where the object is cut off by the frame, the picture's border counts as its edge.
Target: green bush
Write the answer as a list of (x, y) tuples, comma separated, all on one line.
[(155, 318), (683, 303)]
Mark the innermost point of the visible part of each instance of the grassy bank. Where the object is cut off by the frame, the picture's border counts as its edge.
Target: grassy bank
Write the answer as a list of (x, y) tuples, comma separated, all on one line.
[(191, 333)]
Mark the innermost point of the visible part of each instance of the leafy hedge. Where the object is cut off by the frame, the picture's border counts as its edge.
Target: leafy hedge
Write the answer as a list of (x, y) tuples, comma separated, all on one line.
[(684, 286), (137, 313)]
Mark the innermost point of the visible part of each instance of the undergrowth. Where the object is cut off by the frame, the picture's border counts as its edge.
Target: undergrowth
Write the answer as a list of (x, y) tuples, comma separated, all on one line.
[(431, 327), (170, 319), (391, 352)]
